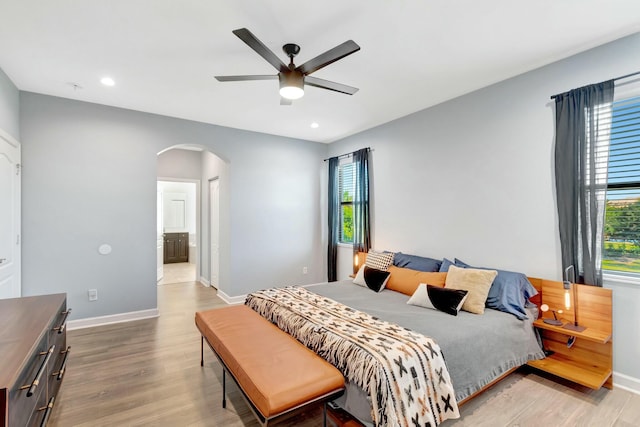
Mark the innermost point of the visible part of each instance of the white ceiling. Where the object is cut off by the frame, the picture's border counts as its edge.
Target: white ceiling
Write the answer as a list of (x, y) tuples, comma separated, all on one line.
[(163, 54)]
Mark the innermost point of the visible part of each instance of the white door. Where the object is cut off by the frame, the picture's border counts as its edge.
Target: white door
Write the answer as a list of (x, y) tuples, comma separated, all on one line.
[(214, 231), (159, 238), (9, 217)]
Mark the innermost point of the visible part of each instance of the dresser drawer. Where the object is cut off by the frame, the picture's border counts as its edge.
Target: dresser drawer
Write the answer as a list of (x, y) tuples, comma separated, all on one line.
[(58, 326), (31, 385), (39, 411), (58, 369)]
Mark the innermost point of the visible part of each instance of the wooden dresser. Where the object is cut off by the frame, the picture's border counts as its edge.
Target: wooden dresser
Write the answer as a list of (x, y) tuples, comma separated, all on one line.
[(33, 357)]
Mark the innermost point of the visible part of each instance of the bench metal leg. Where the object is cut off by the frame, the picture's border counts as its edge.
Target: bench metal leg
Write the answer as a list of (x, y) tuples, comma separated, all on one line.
[(324, 414), (224, 388), (201, 350)]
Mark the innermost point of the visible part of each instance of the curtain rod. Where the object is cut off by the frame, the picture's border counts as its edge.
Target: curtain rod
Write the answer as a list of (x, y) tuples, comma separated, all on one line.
[(617, 78), (342, 156)]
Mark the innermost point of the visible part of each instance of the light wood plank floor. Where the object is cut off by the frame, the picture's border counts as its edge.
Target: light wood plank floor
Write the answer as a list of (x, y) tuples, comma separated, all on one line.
[(147, 373), (179, 272)]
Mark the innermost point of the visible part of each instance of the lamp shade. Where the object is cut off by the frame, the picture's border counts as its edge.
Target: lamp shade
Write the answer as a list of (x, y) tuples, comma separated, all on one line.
[(291, 84), (567, 295)]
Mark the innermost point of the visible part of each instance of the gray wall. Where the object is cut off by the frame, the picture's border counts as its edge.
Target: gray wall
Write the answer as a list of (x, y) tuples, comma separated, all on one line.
[(90, 178), (473, 178), (9, 106), (181, 164)]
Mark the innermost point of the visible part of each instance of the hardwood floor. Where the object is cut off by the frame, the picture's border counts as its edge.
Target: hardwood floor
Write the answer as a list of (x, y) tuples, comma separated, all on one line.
[(147, 373)]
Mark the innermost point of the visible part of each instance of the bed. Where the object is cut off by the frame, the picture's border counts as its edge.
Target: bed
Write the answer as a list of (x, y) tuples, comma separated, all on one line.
[(478, 349), (473, 363)]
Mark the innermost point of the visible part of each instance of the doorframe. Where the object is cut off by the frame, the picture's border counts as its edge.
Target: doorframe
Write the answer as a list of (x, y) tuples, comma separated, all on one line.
[(6, 136), (198, 228), (210, 180)]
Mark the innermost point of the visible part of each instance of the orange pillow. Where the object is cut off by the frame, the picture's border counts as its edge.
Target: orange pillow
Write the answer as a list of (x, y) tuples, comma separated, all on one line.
[(406, 281)]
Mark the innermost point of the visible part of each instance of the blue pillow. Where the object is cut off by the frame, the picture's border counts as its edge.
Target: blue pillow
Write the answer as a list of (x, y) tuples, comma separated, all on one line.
[(446, 263), (509, 291), (459, 263), (415, 262)]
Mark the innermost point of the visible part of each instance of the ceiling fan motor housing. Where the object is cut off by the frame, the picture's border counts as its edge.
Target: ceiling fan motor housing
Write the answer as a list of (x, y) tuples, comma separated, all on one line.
[(291, 84)]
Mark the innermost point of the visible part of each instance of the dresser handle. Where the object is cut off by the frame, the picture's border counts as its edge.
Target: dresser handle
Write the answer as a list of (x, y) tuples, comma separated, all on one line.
[(63, 325), (36, 380), (47, 410), (63, 367)]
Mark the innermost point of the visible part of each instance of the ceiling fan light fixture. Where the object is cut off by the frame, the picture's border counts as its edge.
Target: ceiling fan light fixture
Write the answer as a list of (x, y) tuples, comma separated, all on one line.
[(291, 85)]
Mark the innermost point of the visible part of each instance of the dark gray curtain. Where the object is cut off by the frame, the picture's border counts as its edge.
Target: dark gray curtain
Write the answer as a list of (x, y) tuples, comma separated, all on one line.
[(334, 220), (583, 120), (361, 219)]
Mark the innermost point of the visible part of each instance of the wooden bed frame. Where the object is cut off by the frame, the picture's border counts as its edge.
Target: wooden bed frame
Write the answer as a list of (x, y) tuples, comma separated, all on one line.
[(589, 360)]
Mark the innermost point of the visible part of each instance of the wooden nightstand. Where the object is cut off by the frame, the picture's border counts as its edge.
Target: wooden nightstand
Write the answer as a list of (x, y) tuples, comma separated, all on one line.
[(589, 359)]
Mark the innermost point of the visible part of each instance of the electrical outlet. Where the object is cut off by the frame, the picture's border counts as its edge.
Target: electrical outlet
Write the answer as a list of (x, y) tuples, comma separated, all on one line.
[(93, 294), (304, 270)]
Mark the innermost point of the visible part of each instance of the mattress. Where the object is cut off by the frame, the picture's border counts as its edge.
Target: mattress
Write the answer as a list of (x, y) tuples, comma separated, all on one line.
[(477, 348)]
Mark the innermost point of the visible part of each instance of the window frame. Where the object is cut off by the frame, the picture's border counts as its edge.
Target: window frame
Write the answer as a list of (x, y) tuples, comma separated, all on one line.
[(341, 167)]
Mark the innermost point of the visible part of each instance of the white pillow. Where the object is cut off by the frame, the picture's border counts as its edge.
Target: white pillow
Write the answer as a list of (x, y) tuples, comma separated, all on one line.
[(421, 297), (449, 301), (359, 279), (372, 278)]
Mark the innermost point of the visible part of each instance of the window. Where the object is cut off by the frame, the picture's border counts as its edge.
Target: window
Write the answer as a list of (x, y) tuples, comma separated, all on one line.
[(621, 253), (346, 188)]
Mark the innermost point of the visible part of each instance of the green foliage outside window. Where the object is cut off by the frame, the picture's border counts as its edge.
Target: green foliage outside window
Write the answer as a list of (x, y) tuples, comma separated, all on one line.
[(622, 236), (621, 250), (347, 218)]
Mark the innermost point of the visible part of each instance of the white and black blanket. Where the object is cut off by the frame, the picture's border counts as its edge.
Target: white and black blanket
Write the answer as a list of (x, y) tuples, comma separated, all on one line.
[(404, 372)]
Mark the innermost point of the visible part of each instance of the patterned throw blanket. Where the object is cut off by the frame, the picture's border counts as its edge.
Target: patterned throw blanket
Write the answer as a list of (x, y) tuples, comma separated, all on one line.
[(403, 372)]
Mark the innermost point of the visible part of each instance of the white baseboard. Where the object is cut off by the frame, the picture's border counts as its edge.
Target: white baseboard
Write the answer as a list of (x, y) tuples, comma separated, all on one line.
[(231, 300), (204, 281), (112, 318), (626, 382)]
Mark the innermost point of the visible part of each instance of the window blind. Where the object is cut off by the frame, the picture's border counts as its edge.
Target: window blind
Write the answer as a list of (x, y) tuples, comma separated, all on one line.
[(346, 187), (622, 221)]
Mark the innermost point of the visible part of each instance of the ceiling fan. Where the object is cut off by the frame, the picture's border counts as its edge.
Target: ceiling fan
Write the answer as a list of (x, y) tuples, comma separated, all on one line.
[(292, 79)]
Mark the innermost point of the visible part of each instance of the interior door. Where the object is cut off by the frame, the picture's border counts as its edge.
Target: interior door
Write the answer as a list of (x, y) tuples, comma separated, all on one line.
[(214, 231), (9, 217), (159, 238)]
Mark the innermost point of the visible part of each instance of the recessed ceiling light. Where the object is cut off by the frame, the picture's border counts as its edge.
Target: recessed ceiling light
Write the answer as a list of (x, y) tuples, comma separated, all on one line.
[(315, 125), (107, 81)]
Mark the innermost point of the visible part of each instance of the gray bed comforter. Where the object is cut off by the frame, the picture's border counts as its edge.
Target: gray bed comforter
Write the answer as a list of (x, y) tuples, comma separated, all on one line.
[(477, 348)]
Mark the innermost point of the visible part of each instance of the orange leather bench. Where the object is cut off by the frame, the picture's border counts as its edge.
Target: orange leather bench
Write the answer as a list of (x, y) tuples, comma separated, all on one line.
[(277, 374)]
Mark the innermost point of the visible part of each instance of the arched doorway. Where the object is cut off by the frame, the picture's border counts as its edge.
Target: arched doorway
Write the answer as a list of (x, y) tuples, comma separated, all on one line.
[(198, 165)]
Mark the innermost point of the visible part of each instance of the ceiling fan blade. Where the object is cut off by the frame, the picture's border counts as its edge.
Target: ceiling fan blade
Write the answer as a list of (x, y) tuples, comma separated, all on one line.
[(245, 78), (329, 57), (285, 101), (255, 44), (326, 84)]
